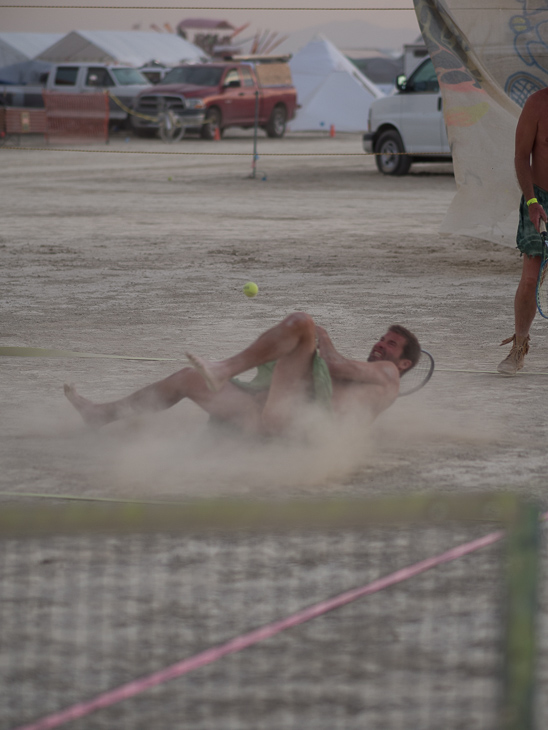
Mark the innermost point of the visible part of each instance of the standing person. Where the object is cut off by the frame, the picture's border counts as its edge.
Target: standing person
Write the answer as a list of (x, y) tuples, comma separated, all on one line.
[(531, 163), (297, 363)]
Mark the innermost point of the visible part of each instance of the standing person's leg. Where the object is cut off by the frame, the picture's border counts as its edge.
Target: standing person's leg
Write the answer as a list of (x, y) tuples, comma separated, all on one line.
[(525, 308)]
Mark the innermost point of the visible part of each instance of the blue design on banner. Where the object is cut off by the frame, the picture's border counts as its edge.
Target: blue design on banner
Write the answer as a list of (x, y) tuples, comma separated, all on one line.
[(531, 46)]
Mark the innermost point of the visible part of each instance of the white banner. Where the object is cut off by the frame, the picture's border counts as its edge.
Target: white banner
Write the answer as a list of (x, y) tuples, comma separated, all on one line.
[(488, 60)]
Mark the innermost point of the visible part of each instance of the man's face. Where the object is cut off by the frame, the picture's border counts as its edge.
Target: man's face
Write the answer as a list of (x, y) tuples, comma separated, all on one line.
[(390, 347)]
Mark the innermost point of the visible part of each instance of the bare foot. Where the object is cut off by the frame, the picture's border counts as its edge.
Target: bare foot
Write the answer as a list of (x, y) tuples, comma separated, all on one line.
[(93, 415), (207, 370)]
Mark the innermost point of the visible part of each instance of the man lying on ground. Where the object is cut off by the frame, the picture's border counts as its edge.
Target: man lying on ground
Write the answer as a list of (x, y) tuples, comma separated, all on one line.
[(297, 363)]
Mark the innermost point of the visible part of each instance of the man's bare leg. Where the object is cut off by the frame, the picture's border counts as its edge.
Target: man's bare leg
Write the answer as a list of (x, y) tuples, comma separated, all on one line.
[(525, 304), (525, 308), (279, 341), (292, 343), (231, 404), (294, 337), (156, 397)]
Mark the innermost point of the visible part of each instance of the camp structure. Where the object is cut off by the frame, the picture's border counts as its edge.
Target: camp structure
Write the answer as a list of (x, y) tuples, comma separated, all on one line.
[(21, 47), (131, 47), (331, 91)]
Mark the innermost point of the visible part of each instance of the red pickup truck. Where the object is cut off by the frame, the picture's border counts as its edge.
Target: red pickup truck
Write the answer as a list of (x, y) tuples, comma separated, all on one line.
[(213, 96)]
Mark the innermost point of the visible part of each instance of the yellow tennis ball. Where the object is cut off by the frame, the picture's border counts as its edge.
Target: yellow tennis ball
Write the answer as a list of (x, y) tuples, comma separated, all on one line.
[(251, 289)]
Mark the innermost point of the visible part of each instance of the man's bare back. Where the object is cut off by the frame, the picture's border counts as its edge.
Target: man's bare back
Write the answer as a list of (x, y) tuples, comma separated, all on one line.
[(531, 150)]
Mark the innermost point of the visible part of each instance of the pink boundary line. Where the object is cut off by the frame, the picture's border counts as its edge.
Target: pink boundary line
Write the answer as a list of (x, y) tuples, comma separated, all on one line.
[(137, 686)]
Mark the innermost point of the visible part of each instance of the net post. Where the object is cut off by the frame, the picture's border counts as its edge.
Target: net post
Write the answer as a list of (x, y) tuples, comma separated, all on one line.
[(517, 704)]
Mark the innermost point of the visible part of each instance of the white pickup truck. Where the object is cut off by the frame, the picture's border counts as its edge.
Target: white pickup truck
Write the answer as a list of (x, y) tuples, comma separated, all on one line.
[(408, 126), (124, 82)]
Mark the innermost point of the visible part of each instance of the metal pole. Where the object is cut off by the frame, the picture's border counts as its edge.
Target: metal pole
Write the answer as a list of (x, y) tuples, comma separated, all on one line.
[(255, 129)]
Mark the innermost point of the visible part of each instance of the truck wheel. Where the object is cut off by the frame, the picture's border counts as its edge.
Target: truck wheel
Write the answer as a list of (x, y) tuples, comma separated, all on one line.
[(276, 124), (212, 123), (390, 154), (171, 127)]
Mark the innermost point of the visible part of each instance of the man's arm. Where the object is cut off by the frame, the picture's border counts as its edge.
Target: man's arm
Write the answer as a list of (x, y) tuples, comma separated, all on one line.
[(341, 368), (526, 135)]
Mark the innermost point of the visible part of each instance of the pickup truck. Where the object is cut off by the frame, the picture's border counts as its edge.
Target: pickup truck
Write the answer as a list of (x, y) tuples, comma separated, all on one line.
[(408, 126), (210, 97), (124, 82)]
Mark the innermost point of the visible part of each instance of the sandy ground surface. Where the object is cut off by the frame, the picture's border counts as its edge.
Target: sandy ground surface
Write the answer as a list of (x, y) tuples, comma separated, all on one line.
[(109, 252)]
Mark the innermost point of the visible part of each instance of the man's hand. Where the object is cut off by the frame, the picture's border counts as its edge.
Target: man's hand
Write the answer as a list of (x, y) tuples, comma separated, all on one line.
[(325, 346), (536, 214)]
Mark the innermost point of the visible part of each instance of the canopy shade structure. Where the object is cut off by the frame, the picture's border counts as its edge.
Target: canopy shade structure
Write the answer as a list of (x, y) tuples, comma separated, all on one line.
[(134, 48), (20, 47)]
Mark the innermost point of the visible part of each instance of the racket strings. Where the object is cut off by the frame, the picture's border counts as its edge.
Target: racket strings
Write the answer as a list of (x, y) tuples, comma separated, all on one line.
[(542, 284), (418, 376)]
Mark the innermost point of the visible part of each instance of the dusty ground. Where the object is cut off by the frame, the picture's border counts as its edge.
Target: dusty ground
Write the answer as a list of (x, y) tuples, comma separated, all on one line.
[(105, 251), (109, 252)]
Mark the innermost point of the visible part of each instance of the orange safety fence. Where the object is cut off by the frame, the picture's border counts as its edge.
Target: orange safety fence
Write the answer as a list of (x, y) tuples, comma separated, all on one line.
[(19, 120), (70, 117)]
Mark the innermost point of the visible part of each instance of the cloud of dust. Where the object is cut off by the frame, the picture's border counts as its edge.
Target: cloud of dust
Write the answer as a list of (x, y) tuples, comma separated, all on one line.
[(180, 454), (176, 453), (439, 417)]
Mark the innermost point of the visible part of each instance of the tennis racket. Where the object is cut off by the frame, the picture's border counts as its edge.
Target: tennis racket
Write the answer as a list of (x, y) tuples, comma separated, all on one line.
[(418, 376), (542, 281)]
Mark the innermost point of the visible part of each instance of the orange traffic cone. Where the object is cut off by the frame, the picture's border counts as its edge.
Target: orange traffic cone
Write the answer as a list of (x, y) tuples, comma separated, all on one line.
[(332, 130), (217, 134)]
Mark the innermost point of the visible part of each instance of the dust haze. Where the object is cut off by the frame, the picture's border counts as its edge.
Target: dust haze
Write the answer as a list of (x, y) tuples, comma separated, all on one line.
[(110, 252)]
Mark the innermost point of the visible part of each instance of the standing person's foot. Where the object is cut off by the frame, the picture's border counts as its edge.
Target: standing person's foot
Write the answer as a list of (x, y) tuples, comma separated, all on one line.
[(514, 362)]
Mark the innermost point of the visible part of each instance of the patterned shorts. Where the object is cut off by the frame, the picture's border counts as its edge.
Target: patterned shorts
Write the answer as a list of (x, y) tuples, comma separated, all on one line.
[(527, 239)]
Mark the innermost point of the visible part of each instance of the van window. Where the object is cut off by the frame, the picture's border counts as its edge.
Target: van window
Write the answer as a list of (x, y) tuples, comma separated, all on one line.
[(66, 76), (424, 79)]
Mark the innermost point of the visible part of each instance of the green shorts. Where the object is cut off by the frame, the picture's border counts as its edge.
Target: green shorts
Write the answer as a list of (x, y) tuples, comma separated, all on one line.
[(323, 387), (528, 240)]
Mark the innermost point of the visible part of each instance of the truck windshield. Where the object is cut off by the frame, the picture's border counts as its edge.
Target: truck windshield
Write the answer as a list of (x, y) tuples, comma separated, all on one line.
[(196, 75), (129, 76)]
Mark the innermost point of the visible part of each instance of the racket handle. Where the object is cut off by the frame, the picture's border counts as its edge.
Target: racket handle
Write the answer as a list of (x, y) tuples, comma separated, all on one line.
[(542, 226)]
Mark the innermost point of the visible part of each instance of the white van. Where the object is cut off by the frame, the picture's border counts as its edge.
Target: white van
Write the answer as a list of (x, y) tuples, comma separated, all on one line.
[(408, 126)]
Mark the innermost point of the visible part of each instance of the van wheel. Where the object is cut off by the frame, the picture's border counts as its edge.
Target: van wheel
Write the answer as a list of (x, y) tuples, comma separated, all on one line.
[(390, 154), (212, 123)]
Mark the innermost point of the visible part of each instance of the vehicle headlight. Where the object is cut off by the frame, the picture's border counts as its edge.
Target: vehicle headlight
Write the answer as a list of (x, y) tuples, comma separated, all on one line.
[(194, 104)]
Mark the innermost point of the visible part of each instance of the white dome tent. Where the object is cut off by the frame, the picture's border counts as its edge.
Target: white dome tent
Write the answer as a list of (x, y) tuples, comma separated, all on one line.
[(331, 91)]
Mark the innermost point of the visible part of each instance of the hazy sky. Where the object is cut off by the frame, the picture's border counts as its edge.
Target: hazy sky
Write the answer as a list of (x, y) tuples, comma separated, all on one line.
[(387, 14)]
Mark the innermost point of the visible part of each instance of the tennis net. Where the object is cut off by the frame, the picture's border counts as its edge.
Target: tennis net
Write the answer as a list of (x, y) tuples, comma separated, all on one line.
[(379, 614)]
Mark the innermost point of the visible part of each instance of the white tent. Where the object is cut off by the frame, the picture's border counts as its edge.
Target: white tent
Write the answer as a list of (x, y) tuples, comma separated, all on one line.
[(20, 47), (134, 48), (330, 89)]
